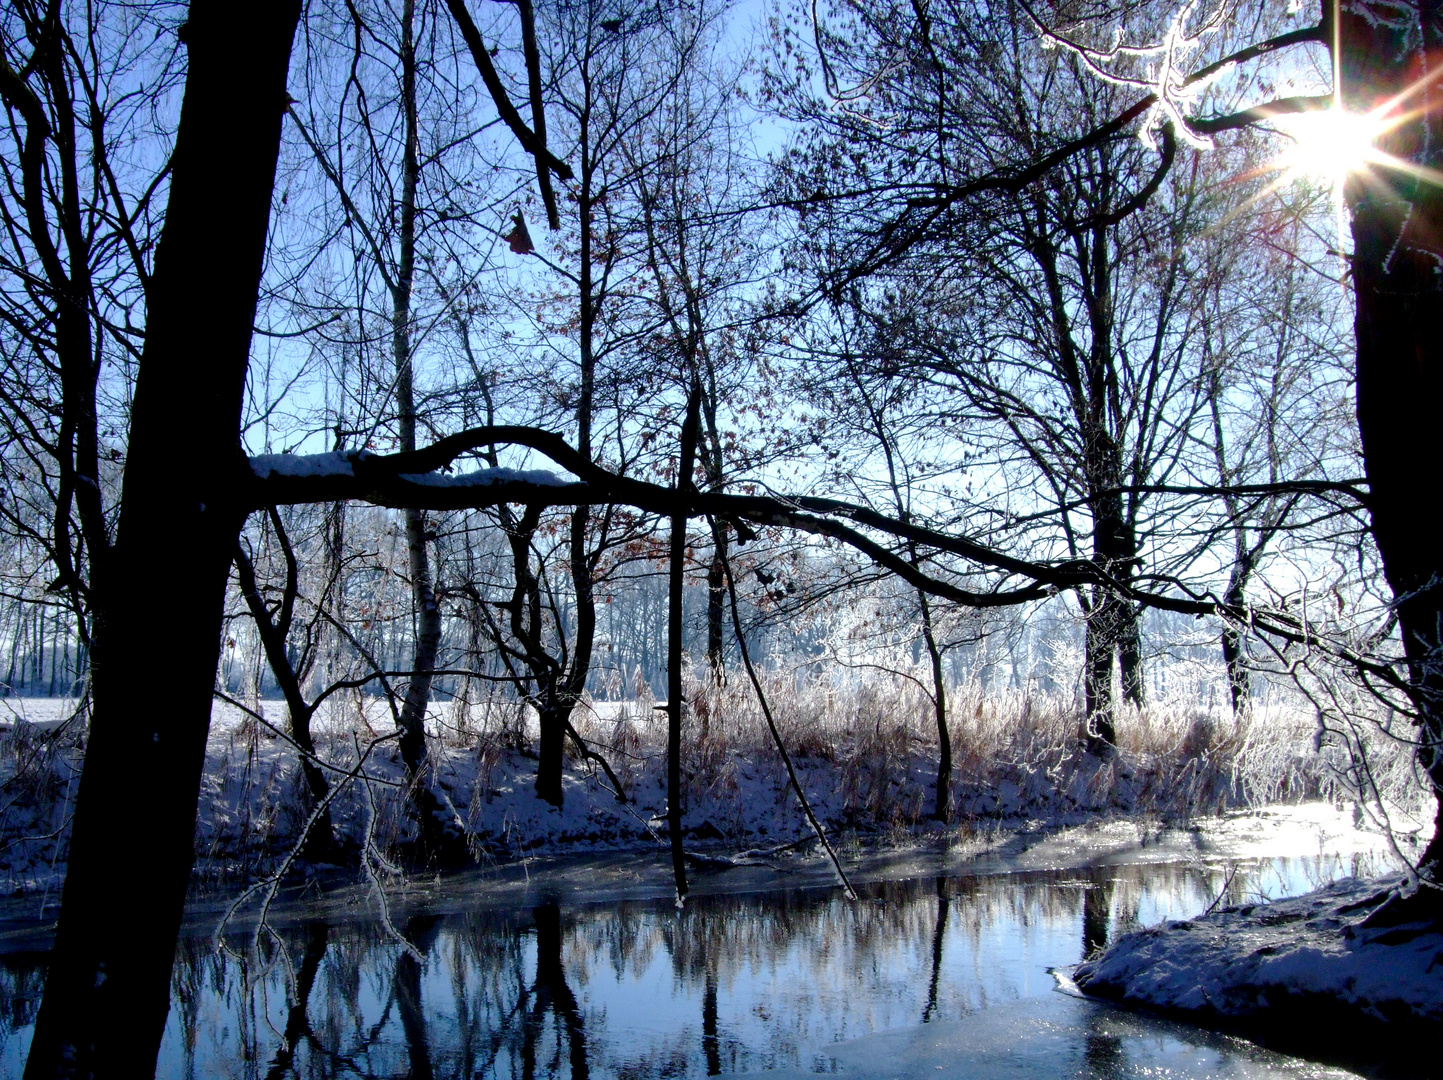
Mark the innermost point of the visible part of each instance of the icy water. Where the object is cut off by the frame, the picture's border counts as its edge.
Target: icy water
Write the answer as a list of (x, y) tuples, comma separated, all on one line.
[(939, 977)]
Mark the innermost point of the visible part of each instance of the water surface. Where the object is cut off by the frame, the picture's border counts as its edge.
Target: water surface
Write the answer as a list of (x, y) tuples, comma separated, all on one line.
[(936, 977)]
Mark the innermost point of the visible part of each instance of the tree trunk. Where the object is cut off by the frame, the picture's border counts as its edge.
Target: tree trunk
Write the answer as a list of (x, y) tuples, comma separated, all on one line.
[(716, 593), (526, 627), (939, 709), (1234, 653), (674, 704), (1112, 629), (1129, 654), (160, 597), (1099, 652), (273, 641), (1398, 243), (428, 611), (551, 749)]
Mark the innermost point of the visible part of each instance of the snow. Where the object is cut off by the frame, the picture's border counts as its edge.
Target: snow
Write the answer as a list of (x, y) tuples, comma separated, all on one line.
[(331, 464), (486, 477), (1298, 955), (252, 803), (266, 466)]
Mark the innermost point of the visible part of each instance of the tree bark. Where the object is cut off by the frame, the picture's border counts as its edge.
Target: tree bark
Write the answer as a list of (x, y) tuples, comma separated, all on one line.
[(716, 594), (939, 709), (1112, 630), (1397, 220), (674, 704), (1234, 652), (423, 594), (160, 603)]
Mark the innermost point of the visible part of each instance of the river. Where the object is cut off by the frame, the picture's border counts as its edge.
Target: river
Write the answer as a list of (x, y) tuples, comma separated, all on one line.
[(927, 975)]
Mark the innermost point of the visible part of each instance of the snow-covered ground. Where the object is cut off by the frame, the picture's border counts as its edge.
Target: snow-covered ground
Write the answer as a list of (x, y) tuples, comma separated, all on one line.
[(1304, 972), (864, 762)]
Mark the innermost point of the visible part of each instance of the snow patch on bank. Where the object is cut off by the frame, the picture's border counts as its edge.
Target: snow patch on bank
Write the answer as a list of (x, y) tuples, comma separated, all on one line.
[(1259, 960)]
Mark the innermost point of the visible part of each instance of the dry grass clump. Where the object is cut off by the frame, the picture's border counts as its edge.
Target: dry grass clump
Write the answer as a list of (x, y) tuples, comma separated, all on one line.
[(1014, 752), (39, 772)]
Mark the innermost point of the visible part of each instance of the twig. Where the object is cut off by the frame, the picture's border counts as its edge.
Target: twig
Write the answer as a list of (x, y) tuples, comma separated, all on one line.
[(258, 718), (369, 851), (776, 735), (271, 884), (46, 836), (1227, 884)]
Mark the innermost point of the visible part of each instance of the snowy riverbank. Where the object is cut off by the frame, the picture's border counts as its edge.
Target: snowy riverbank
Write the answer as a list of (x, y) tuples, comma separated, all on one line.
[(1304, 973), (863, 760)]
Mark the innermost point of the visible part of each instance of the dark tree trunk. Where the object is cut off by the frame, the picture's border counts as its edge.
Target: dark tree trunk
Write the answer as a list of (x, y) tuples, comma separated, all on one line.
[(560, 687), (716, 590), (423, 593), (1100, 650), (160, 598), (1398, 244), (1129, 655), (675, 705), (1112, 625), (273, 640), (939, 710), (550, 751), (716, 594), (1234, 652), (526, 627)]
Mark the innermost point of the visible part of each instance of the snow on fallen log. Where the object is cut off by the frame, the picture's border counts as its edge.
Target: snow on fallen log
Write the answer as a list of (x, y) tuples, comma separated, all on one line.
[(334, 464)]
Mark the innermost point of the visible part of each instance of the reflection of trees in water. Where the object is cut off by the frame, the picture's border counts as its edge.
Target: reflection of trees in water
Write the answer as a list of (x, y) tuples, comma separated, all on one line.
[(552, 994), (939, 935), (710, 1038), (22, 977), (298, 1024), (406, 988), (746, 982), (1096, 916)]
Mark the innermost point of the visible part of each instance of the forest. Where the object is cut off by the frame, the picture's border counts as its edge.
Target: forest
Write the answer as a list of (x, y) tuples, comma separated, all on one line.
[(950, 408)]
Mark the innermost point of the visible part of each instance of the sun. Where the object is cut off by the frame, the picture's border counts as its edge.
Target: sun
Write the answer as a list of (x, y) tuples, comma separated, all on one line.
[(1330, 144)]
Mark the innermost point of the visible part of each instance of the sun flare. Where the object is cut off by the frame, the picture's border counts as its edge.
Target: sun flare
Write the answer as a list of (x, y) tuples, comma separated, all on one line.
[(1330, 144)]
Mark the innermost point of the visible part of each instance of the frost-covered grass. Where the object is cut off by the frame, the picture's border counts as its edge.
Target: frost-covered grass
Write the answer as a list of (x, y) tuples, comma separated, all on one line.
[(865, 750)]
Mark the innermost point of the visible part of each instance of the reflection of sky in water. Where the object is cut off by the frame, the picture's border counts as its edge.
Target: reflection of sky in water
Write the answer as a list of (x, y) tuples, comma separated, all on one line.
[(736, 984)]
